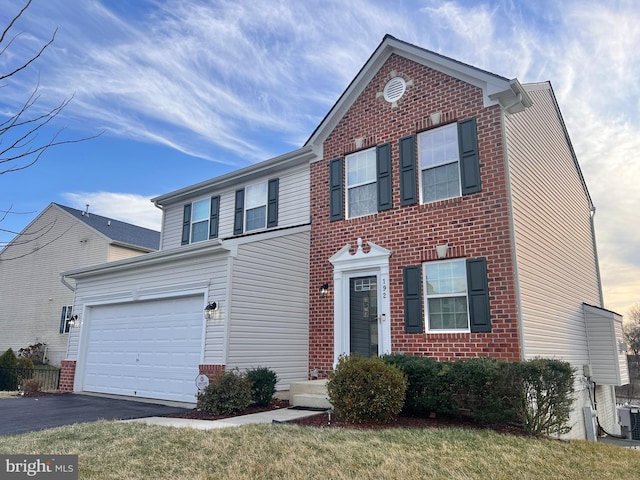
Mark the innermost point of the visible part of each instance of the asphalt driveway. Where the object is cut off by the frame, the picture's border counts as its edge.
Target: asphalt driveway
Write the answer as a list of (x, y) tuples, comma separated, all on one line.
[(21, 415)]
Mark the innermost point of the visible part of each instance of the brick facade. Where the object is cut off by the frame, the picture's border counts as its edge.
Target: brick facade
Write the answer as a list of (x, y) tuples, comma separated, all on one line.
[(210, 370), (67, 375), (475, 225)]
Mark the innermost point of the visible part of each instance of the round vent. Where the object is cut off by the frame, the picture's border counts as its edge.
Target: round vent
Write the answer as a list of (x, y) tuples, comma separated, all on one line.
[(394, 89)]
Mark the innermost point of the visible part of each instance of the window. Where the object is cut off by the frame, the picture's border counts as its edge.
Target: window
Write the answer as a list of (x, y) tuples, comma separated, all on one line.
[(368, 183), (200, 213), (438, 154), (65, 319), (456, 293), (361, 183), (200, 220), (446, 295), (256, 206)]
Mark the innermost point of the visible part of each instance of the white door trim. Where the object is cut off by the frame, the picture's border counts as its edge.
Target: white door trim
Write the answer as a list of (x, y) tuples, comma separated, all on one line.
[(345, 266)]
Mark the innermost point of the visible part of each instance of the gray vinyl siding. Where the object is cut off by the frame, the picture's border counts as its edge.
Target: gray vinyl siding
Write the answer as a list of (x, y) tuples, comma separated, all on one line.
[(270, 308), (207, 271), (30, 288), (116, 252), (555, 257), (293, 205)]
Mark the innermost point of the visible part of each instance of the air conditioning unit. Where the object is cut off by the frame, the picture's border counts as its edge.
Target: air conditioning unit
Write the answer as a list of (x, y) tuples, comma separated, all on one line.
[(629, 420)]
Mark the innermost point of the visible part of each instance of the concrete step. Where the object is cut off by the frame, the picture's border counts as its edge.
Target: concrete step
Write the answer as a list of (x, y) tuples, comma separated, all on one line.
[(310, 394)]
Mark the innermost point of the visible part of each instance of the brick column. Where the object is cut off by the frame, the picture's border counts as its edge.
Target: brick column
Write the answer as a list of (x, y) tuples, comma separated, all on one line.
[(210, 370), (67, 375)]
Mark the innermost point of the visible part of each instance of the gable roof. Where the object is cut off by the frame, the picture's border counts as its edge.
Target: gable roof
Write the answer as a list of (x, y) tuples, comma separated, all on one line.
[(496, 89), (117, 231)]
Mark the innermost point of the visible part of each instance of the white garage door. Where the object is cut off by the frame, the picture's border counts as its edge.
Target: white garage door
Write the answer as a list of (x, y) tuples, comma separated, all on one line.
[(145, 349)]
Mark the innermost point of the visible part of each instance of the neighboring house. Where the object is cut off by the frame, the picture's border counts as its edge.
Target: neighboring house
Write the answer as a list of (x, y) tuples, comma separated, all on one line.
[(437, 210), (36, 305), (239, 242), (450, 219)]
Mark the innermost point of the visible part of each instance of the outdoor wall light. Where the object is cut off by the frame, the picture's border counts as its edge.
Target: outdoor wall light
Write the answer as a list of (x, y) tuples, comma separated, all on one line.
[(324, 289), (74, 321), (210, 309)]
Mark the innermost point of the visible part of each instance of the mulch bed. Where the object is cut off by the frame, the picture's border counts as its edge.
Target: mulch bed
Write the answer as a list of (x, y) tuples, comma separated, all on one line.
[(329, 420)]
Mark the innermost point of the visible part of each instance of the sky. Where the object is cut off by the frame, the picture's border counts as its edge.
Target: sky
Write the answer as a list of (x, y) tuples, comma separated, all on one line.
[(183, 91)]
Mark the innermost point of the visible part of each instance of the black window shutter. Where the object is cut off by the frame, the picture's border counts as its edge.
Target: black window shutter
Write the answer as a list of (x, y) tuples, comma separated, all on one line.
[(238, 217), (478, 290), (215, 216), (469, 159), (186, 224), (63, 321), (383, 170), (272, 203), (408, 190), (411, 280), (336, 194)]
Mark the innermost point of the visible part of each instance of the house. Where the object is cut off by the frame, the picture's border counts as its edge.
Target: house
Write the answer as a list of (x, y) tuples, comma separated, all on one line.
[(36, 306), (450, 219), (438, 209), (236, 245)]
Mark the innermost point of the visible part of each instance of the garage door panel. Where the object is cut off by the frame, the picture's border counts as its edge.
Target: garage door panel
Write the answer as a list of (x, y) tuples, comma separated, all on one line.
[(145, 349)]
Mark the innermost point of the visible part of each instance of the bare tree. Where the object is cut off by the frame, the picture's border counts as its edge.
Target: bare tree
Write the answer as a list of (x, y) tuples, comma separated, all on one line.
[(21, 143)]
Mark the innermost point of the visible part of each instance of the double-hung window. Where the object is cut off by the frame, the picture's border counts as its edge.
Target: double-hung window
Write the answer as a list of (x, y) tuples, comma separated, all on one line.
[(200, 220), (438, 154), (446, 295), (455, 294), (362, 198), (364, 185), (256, 206), (200, 213), (65, 319)]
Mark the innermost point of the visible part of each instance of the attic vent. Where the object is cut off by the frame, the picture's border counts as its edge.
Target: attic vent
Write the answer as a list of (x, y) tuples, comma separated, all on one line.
[(394, 89)]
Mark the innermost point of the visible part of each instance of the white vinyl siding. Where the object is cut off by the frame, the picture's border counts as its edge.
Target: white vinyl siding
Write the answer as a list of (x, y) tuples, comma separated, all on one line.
[(555, 255), (293, 205), (269, 323)]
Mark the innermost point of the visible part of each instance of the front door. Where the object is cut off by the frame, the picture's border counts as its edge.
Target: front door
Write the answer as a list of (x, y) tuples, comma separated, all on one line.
[(363, 315)]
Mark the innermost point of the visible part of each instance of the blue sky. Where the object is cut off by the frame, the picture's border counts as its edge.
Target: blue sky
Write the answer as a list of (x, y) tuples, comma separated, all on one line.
[(185, 91)]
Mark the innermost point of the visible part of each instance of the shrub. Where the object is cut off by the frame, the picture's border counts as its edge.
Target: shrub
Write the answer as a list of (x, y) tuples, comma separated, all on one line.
[(32, 385), (34, 352), (263, 385), (484, 387), (366, 390), (428, 386), (8, 374), (228, 393), (545, 395)]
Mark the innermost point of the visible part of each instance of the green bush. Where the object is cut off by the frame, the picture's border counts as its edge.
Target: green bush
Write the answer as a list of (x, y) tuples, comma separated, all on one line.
[(428, 385), (366, 390), (227, 394), (545, 395), (263, 385), (8, 374), (484, 389)]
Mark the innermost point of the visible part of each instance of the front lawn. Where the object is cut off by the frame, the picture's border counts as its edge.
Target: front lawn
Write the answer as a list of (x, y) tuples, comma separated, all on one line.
[(116, 450)]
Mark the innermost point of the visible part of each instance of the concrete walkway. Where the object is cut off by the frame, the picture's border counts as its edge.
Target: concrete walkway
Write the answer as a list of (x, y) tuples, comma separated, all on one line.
[(272, 416)]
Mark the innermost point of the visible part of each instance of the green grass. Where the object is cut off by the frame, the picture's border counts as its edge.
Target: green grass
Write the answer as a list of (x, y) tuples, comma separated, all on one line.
[(115, 450)]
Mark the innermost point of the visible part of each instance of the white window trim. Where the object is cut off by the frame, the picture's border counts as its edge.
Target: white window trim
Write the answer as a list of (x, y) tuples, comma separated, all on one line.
[(426, 298), (349, 187), (265, 204), (421, 169)]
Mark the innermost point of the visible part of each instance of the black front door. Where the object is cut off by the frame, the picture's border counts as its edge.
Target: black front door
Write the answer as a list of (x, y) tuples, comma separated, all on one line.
[(363, 316)]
